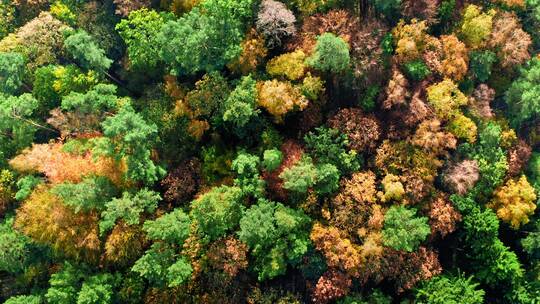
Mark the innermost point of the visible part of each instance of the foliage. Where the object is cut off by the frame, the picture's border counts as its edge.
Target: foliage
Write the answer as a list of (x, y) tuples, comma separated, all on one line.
[(450, 289), (275, 22), (481, 64), (514, 202), (216, 24), (276, 235), (521, 96), (416, 70), (331, 54), (128, 208), (139, 31), (240, 106), (217, 211), (476, 26), (328, 146), (81, 46), (403, 230), (11, 72), (279, 98)]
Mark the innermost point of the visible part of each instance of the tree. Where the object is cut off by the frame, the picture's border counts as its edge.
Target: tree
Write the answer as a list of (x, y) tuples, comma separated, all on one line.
[(248, 178), (449, 289), (300, 177), (481, 63), (15, 248), (328, 146), (172, 227), (272, 159), (17, 127), (476, 26), (279, 98), (331, 54), (128, 136), (11, 72), (240, 106), (125, 7), (139, 31), (275, 22), (521, 97), (90, 194), (289, 65), (128, 208), (389, 8), (218, 24), (82, 48), (403, 230), (217, 211), (276, 236), (446, 98), (514, 202)]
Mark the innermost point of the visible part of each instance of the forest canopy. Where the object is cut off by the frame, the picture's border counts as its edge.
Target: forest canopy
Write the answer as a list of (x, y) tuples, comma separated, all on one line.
[(264, 151)]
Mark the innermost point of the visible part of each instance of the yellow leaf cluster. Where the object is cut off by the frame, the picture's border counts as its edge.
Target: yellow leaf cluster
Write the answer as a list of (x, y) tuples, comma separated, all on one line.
[(514, 202), (446, 98), (280, 97), (290, 65), (410, 39), (476, 26)]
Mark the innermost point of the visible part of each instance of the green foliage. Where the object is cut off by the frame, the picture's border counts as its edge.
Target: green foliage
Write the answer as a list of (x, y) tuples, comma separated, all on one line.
[(172, 227), (247, 167), (327, 179), (64, 285), (481, 64), (531, 243), (216, 24), (277, 236), (331, 54), (102, 97), (24, 300), (17, 128), (403, 230), (522, 96), (491, 159), (416, 70), (449, 290), (97, 289), (11, 72), (82, 47), (329, 146), (128, 208), (129, 137), (241, 106), (90, 194), (179, 272), (272, 159), (14, 248), (26, 185), (139, 31), (154, 264), (300, 177), (218, 211)]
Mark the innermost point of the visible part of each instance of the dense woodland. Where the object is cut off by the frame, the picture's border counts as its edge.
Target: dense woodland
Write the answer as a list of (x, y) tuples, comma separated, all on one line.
[(260, 152)]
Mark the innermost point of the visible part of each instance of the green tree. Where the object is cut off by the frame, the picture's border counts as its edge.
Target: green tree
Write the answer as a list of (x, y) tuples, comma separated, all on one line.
[(128, 136), (272, 159), (331, 54), (300, 177), (248, 179), (218, 211), (17, 127), (90, 194), (83, 49), (403, 230), (100, 98), (64, 285), (128, 208), (329, 146), (154, 264), (97, 289), (26, 185), (416, 70), (277, 236), (241, 106), (24, 300), (14, 248), (11, 72), (172, 227), (449, 290), (140, 31), (216, 24), (389, 8), (481, 63), (522, 96)]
